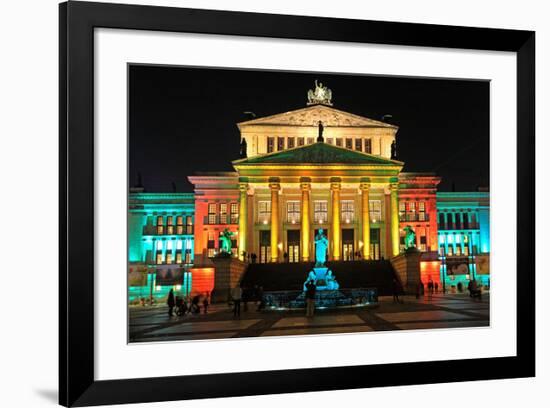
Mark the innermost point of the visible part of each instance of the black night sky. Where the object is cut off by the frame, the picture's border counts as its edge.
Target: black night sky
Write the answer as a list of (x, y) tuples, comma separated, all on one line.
[(183, 120)]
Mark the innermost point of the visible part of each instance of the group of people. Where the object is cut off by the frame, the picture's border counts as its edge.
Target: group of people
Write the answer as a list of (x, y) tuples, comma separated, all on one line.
[(187, 305), (245, 295)]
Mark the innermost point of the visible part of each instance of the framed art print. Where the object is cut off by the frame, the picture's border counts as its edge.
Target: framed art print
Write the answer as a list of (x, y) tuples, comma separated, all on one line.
[(255, 204)]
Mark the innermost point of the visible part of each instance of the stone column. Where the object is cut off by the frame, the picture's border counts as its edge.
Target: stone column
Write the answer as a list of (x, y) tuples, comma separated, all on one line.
[(366, 219), (394, 204), (336, 231), (243, 218), (305, 186), (275, 187)]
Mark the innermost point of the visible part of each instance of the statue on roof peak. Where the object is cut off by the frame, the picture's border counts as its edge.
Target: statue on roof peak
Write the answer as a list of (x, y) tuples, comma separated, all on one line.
[(320, 95)]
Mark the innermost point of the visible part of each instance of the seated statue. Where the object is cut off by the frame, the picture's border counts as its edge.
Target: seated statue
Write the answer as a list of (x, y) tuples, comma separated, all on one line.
[(331, 282)]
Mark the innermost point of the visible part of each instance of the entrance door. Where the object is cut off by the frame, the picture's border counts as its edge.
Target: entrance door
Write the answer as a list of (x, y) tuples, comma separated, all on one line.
[(347, 245), (265, 246), (375, 243), (293, 250)]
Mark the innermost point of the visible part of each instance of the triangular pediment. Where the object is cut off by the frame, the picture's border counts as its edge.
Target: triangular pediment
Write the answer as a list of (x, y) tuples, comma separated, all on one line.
[(318, 153), (311, 115)]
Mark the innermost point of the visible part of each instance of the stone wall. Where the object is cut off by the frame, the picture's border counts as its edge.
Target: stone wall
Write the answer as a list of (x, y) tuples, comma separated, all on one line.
[(407, 268), (228, 274)]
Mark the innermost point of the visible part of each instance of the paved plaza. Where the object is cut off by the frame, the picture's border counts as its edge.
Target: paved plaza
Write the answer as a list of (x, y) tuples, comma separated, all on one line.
[(438, 311)]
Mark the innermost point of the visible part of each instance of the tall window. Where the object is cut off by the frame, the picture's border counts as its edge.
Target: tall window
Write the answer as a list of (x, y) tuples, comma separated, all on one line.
[(170, 225), (349, 143), (375, 210), (179, 225), (442, 221), (359, 144), (211, 244), (450, 221), (339, 142), (234, 213), (309, 140), (368, 146), (423, 243), (290, 142), (280, 143), (465, 221), (293, 211), (264, 212), (160, 225), (411, 211), (320, 212), (300, 141), (422, 211), (159, 253), (223, 213), (212, 213), (270, 144), (189, 224), (458, 220), (348, 213)]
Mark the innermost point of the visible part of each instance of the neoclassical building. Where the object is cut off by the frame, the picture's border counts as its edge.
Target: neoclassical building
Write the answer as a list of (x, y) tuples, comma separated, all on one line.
[(300, 171), (315, 168)]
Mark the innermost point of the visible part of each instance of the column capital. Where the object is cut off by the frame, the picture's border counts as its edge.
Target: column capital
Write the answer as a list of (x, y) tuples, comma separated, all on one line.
[(305, 185), (243, 186), (335, 185), (394, 186), (364, 186), (274, 186)]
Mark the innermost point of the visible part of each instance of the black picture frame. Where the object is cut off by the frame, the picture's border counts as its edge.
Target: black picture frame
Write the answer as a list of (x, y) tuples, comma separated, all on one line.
[(77, 21)]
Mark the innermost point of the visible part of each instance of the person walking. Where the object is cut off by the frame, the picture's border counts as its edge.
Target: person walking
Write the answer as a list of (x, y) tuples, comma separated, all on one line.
[(171, 302), (396, 290), (205, 303), (237, 294), (310, 298)]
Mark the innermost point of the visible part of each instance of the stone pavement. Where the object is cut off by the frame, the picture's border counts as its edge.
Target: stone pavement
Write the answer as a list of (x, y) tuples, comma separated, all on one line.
[(439, 311)]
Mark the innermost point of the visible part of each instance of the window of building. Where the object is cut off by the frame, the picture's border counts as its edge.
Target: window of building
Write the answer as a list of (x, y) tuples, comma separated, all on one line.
[(442, 221), (310, 140), (348, 213), (212, 213), (465, 221), (187, 256), (291, 142), (159, 253), (160, 225), (320, 211), (450, 221), (458, 249), (359, 145), (211, 244), (339, 142), (280, 143), (423, 243), (442, 250), (474, 222), (450, 250), (170, 225), (234, 213), (349, 143), (270, 144), (169, 257), (178, 257), (422, 211), (159, 258), (458, 221), (264, 212), (211, 252), (189, 223), (179, 225), (375, 210), (368, 146), (330, 140), (223, 213), (293, 212), (401, 206), (466, 249), (300, 141)]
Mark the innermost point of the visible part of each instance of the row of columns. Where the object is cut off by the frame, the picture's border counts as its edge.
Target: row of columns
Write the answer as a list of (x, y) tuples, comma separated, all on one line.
[(305, 239)]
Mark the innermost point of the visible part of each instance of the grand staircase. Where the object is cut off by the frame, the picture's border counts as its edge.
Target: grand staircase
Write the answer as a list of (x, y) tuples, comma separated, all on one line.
[(349, 274)]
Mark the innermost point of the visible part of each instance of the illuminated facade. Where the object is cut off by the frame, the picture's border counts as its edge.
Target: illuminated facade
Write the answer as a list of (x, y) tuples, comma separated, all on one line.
[(303, 170), (464, 241)]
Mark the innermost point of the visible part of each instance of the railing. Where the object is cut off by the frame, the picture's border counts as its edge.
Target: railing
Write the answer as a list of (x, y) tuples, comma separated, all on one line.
[(420, 217), (219, 220), (176, 230), (454, 226), (324, 299)]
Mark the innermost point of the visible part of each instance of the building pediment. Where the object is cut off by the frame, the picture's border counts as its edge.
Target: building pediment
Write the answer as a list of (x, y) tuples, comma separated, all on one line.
[(311, 115)]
